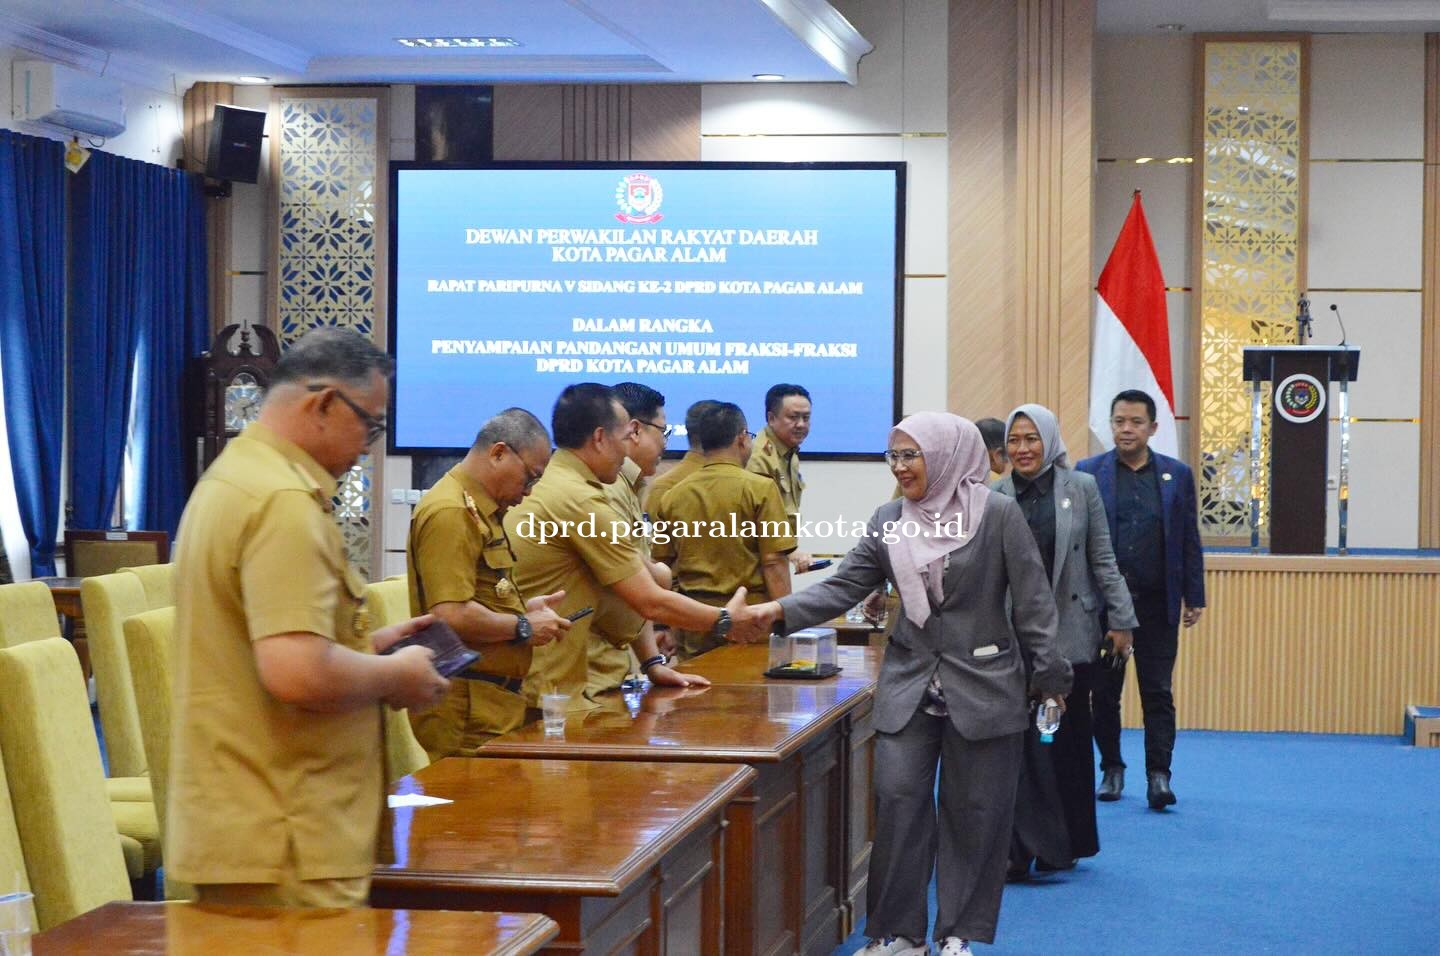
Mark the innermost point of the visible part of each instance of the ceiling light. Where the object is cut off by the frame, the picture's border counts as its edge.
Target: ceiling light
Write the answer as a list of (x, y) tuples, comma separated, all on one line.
[(1173, 27), (769, 77), (456, 43), (253, 79), (1144, 159)]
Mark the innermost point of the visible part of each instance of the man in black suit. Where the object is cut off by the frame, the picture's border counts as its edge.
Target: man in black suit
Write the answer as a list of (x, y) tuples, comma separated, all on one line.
[(1150, 501)]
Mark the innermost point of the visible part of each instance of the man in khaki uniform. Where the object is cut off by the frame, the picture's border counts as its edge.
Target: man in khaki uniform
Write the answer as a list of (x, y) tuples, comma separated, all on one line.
[(777, 452), (685, 467), (459, 568), (746, 533), (618, 633), (277, 779), (568, 537)]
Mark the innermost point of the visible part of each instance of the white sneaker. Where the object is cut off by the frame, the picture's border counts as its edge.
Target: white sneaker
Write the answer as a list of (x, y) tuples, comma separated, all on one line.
[(895, 946), (955, 946)]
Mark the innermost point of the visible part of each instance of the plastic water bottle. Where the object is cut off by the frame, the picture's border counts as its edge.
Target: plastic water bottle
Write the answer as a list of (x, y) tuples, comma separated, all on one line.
[(1047, 720), (856, 615)]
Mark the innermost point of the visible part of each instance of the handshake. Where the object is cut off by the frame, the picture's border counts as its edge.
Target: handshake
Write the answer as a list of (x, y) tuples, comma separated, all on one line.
[(751, 623)]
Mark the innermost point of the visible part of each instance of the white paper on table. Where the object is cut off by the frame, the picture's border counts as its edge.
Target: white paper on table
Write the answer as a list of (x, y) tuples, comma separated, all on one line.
[(415, 800)]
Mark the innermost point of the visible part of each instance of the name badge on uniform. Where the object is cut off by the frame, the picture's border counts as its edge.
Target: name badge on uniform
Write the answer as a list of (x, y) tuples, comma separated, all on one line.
[(504, 588), (989, 650)]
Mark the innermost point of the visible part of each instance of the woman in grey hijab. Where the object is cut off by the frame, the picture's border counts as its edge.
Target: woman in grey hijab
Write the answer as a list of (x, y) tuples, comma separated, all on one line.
[(1067, 518)]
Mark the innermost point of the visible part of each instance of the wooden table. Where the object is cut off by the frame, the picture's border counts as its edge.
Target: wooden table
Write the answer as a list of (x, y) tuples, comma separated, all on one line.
[(66, 594), (189, 929), (623, 856), (784, 847), (746, 664)]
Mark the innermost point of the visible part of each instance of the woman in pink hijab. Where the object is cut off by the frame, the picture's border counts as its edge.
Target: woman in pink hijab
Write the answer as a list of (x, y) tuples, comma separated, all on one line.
[(952, 696)]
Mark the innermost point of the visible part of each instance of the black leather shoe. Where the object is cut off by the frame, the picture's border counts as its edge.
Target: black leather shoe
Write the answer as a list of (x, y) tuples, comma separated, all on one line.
[(1111, 785), (1159, 793), (1017, 872), (1044, 866)]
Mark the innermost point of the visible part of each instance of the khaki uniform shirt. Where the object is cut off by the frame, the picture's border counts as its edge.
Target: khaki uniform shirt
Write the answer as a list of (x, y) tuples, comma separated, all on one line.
[(782, 466), (458, 552), (661, 484), (582, 560), (262, 791), (616, 625)]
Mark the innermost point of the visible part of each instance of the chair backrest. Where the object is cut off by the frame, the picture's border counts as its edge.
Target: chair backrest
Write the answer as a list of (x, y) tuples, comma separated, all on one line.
[(12, 859), (108, 599), (52, 760), (159, 583), (150, 644), (105, 552), (27, 613), (388, 601)]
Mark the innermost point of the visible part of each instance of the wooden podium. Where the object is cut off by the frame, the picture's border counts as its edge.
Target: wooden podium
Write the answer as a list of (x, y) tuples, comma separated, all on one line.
[(1299, 433)]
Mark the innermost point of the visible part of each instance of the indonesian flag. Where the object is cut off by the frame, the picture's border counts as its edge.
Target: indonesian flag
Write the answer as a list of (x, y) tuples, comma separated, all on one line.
[(1132, 335)]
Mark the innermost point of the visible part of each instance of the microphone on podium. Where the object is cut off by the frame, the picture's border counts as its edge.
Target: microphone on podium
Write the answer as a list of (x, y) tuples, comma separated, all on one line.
[(1343, 334)]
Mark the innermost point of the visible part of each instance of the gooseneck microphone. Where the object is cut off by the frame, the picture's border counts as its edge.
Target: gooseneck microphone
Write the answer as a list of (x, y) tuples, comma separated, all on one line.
[(1343, 334)]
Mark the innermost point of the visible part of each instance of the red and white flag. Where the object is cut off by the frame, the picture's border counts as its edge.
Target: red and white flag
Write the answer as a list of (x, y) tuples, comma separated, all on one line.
[(1132, 334)]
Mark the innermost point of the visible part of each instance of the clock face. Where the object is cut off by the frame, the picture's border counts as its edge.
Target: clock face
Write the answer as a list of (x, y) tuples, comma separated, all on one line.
[(242, 401)]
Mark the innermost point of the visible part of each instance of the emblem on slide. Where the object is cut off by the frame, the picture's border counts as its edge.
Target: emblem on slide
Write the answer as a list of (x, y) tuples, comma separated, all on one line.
[(1300, 398), (638, 197)]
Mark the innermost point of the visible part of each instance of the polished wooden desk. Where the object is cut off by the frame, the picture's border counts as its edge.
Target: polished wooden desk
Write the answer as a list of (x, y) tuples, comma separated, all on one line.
[(784, 849), (189, 929), (623, 856), (746, 664)]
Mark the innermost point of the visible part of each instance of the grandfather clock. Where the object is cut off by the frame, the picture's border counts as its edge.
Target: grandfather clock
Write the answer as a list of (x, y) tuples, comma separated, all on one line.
[(232, 378)]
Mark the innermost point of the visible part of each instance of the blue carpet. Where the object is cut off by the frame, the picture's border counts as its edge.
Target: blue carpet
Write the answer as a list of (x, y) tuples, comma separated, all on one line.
[(1281, 843)]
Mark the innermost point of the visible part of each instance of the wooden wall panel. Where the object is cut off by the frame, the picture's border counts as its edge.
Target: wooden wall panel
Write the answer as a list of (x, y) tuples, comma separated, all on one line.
[(597, 123), (1021, 208), (1430, 307), (1324, 645), (199, 107)]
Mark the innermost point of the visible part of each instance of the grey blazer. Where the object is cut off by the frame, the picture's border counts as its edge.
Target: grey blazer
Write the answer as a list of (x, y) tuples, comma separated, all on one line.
[(1084, 565), (970, 637)]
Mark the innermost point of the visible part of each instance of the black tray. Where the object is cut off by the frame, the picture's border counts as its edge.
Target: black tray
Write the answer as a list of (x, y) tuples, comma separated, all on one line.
[(819, 673)]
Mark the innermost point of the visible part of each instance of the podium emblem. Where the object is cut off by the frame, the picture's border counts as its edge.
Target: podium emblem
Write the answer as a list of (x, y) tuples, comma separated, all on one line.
[(1300, 398)]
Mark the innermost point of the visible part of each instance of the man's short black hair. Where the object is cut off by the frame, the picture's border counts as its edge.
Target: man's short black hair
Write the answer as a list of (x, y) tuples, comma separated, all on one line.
[(693, 415), (335, 355), (580, 410), (777, 395), (640, 401), (1137, 396), (993, 431), (721, 424)]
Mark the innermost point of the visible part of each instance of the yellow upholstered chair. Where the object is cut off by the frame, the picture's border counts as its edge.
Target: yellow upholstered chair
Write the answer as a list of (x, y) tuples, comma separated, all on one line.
[(66, 825), (149, 642), (159, 583), (108, 600), (389, 603), (27, 613), (13, 878)]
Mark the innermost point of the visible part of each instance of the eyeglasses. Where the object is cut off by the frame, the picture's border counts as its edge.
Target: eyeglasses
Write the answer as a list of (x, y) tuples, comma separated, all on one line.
[(531, 477), (375, 427), (908, 456), (750, 435), (665, 430)]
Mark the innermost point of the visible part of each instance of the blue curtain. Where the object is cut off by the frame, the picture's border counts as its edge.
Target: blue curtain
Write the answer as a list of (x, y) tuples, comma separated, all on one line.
[(137, 314), (32, 331)]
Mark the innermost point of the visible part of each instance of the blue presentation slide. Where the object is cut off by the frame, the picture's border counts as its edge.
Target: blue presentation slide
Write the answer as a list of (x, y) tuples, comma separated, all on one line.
[(704, 282)]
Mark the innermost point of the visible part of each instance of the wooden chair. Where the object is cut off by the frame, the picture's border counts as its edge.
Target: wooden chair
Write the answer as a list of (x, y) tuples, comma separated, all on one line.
[(105, 552)]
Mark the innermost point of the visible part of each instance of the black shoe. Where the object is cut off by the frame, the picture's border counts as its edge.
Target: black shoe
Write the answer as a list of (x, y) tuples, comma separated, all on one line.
[(1159, 794), (1111, 785), (1017, 872), (1043, 866)]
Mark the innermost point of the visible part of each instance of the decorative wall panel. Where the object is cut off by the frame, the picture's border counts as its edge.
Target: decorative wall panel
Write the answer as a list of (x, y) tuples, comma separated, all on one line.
[(330, 165), (1251, 215)]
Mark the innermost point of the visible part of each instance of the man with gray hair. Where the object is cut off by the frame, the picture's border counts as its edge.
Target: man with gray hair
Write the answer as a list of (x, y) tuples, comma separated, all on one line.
[(460, 566), (277, 774)]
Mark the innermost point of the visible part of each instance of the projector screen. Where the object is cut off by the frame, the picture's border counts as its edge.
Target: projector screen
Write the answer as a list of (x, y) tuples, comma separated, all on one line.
[(702, 280)]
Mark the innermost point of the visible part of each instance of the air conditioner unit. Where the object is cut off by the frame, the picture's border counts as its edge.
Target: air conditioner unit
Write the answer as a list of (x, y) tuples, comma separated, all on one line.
[(62, 96)]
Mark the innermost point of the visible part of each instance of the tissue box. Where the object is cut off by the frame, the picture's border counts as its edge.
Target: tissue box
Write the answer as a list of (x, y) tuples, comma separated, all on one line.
[(1422, 726), (809, 652)]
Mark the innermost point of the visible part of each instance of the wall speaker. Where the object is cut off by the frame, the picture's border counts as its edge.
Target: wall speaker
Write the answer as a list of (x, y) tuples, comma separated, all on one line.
[(234, 152)]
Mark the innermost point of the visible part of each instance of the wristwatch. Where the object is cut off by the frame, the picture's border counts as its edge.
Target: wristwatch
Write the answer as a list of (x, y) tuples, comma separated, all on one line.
[(721, 627), (522, 630)]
